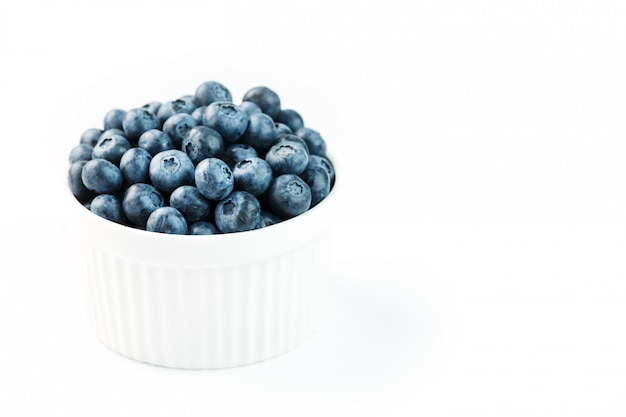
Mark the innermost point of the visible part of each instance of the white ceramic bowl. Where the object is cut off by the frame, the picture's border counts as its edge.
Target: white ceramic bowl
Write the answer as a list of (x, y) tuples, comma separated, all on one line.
[(206, 302)]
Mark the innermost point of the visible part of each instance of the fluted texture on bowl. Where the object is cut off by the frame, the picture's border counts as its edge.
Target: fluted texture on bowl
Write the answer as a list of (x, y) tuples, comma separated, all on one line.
[(211, 317)]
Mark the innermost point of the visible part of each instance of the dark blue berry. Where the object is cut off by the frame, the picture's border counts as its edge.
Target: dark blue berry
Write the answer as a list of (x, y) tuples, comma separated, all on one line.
[(101, 176), (111, 148), (253, 175), (167, 220), (153, 107), (155, 141), (172, 107), (282, 129), (239, 212), (227, 118), (109, 207), (237, 152), (203, 228), (202, 142), (138, 121), (266, 99), (81, 152), (288, 157), (114, 119), (250, 108), (291, 118), (315, 142), (211, 91), (75, 181), (261, 132), (321, 161), (171, 169), (214, 178), (90, 136), (191, 204), (135, 165), (268, 219), (139, 201), (289, 195), (177, 126), (318, 180)]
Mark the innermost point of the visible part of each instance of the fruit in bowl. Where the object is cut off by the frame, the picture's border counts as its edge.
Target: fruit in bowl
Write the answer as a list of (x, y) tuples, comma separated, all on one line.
[(202, 164)]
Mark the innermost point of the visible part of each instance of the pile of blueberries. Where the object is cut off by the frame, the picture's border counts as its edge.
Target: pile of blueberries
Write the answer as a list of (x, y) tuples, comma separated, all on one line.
[(201, 164)]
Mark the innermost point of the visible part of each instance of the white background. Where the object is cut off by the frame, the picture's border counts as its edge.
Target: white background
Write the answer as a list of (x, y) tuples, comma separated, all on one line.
[(479, 266)]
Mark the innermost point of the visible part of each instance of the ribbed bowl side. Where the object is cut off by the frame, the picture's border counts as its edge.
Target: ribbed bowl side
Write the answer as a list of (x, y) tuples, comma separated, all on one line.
[(206, 318)]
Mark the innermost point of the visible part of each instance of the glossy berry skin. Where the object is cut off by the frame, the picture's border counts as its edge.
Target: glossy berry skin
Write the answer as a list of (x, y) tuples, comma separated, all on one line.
[(288, 157), (80, 152), (261, 132), (75, 181), (191, 204), (289, 195), (239, 212), (250, 108), (155, 141), (138, 121), (139, 201), (253, 175), (108, 206), (211, 91), (202, 142), (268, 219), (315, 142), (171, 107), (135, 166), (323, 162), (177, 126), (101, 176), (114, 118), (90, 136), (214, 178), (266, 99), (227, 118), (111, 148), (318, 180), (171, 169), (237, 152), (167, 220), (203, 228), (291, 118)]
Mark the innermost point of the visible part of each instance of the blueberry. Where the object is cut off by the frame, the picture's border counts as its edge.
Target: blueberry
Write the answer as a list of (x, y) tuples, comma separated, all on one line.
[(261, 132), (288, 157), (318, 179), (101, 176), (266, 99), (111, 148), (138, 121), (291, 118), (75, 181), (177, 126), (316, 160), (293, 138), (171, 169), (211, 91), (253, 175), (81, 152), (135, 165), (189, 99), (172, 107), (239, 212), (315, 142), (237, 152), (153, 107), (214, 178), (112, 131), (203, 228), (250, 108), (202, 142), (268, 219), (114, 118), (90, 136), (155, 141), (109, 207), (198, 113), (139, 201), (289, 195), (167, 220), (282, 129), (228, 119), (191, 204)]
